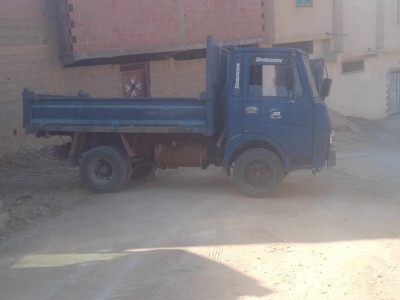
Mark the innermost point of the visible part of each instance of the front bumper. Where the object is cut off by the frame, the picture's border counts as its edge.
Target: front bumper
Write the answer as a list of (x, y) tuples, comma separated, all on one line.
[(331, 162)]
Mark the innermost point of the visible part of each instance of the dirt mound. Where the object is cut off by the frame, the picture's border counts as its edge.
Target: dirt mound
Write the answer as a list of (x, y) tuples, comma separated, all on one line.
[(342, 123), (34, 170), (33, 185)]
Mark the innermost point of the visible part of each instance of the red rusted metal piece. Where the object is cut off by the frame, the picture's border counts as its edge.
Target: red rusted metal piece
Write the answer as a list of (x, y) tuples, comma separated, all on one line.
[(180, 154), (135, 145), (78, 143), (141, 144)]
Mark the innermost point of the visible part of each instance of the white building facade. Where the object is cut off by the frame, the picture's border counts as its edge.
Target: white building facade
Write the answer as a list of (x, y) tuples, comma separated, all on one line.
[(359, 41)]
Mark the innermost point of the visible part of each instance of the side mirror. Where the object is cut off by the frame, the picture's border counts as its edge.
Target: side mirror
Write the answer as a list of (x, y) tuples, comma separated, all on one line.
[(326, 87)]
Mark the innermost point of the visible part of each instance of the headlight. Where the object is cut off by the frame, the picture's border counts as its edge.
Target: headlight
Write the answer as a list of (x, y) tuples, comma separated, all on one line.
[(331, 137)]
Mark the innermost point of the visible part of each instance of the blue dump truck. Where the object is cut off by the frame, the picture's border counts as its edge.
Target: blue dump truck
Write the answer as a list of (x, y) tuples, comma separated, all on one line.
[(260, 117)]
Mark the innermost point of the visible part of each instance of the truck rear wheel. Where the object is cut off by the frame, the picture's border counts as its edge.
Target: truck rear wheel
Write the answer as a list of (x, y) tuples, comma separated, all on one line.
[(104, 169), (258, 173), (128, 164)]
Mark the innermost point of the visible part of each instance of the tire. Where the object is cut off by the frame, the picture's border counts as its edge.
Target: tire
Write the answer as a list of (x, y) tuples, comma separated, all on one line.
[(128, 164), (129, 172), (144, 170), (104, 169), (258, 173)]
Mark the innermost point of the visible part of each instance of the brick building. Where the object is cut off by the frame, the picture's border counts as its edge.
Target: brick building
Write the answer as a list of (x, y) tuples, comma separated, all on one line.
[(64, 46), (107, 28)]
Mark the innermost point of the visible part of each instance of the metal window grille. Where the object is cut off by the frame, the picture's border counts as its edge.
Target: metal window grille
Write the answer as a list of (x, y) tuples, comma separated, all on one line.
[(353, 66), (307, 46)]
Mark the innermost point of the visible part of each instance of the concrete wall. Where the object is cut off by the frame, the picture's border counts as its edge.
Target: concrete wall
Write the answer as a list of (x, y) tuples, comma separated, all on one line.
[(373, 37), (98, 81), (370, 25), (363, 94), (392, 29), (172, 78), (360, 24), (293, 24)]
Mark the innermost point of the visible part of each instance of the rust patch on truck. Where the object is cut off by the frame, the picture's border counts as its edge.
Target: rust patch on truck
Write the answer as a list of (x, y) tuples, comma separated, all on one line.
[(181, 154)]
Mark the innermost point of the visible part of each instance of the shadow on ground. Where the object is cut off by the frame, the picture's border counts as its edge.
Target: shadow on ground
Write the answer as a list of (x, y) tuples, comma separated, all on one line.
[(157, 274)]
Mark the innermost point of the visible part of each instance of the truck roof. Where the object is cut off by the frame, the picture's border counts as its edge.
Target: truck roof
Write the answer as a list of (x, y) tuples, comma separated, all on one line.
[(270, 50)]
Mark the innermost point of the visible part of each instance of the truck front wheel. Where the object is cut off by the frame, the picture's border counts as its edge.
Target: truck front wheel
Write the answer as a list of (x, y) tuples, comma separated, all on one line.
[(104, 169), (258, 173)]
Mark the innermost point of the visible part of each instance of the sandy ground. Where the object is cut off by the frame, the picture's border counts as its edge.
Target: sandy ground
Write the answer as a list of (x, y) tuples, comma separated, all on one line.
[(188, 234)]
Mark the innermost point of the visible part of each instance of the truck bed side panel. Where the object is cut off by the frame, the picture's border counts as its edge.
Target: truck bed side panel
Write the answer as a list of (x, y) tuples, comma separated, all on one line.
[(152, 115)]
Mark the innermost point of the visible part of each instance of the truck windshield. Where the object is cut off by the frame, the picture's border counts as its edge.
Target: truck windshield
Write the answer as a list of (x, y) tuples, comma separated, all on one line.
[(311, 77)]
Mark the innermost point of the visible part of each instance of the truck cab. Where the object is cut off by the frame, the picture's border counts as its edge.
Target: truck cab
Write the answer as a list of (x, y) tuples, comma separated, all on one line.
[(273, 104)]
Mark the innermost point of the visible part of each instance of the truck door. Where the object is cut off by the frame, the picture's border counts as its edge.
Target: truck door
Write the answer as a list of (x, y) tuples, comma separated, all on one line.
[(271, 109)]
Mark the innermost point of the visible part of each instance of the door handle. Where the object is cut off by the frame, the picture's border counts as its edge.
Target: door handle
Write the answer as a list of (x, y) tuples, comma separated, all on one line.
[(252, 110)]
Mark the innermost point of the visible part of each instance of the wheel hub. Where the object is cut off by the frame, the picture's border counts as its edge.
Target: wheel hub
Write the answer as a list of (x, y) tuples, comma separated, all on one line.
[(101, 171), (105, 169), (258, 175)]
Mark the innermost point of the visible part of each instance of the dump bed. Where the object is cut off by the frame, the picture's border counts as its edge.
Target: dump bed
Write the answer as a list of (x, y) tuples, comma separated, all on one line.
[(47, 113)]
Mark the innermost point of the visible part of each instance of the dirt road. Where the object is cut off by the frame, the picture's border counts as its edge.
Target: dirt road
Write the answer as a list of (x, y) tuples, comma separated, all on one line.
[(188, 234)]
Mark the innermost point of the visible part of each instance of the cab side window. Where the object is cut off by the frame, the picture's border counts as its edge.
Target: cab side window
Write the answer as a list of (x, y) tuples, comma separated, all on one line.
[(274, 81)]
